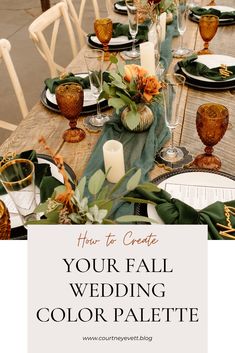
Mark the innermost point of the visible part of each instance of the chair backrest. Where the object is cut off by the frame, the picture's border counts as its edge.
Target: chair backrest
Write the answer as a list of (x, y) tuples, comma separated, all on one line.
[(5, 48), (78, 17), (52, 17), (109, 6)]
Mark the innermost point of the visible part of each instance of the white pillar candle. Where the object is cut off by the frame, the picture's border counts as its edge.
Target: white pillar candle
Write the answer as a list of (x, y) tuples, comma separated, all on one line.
[(162, 19), (113, 160), (147, 57)]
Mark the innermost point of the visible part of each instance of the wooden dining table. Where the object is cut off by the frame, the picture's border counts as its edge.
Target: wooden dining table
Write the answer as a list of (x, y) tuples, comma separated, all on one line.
[(44, 122)]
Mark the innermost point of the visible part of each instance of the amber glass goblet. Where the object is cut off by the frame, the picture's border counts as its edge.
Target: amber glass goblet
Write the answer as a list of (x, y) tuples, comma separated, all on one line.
[(211, 122), (70, 99), (208, 25), (103, 30), (5, 225)]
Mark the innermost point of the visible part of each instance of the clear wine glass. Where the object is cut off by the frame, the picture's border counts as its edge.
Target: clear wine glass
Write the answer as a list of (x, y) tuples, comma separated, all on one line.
[(182, 13), (133, 27), (173, 85), (94, 61)]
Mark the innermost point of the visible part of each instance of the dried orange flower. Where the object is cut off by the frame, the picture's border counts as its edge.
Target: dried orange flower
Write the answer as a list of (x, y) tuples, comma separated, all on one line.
[(151, 87)]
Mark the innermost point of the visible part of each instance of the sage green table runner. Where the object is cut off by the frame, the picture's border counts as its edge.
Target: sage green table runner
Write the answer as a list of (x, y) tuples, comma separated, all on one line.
[(139, 148)]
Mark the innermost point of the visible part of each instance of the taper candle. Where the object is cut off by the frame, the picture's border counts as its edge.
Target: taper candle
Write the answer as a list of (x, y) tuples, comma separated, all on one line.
[(162, 18), (113, 160), (147, 57)]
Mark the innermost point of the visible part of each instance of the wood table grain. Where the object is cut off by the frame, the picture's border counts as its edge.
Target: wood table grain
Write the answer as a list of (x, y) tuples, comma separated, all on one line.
[(42, 122)]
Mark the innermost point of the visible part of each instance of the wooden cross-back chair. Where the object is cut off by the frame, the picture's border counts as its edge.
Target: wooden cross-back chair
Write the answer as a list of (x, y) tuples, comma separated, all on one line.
[(77, 17), (52, 17), (5, 48)]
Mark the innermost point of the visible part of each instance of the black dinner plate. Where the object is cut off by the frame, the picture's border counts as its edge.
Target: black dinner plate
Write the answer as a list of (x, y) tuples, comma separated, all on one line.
[(210, 86), (89, 109), (117, 10), (141, 209), (20, 233), (228, 22), (112, 47)]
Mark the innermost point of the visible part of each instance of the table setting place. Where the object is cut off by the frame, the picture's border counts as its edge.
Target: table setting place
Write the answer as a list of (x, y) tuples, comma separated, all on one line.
[(226, 14), (145, 99)]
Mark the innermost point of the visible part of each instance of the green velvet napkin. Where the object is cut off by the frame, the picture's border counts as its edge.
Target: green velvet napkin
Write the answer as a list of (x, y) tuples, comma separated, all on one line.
[(120, 29), (199, 69), (52, 83), (174, 211), (199, 11)]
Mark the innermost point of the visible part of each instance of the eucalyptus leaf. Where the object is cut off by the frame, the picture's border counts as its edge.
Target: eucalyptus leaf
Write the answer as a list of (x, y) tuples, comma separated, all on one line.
[(59, 190), (53, 216), (134, 218), (121, 181), (103, 193), (108, 221), (106, 204), (113, 59), (125, 99), (134, 180), (41, 208), (137, 200), (81, 187), (76, 218), (132, 119), (116, 103), (116, 76), (151, 187), (41, 221), (96, 182), (121, 68)]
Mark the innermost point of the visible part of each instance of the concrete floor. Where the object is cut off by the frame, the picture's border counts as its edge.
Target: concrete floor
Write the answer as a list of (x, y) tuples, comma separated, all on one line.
[(15, 18)]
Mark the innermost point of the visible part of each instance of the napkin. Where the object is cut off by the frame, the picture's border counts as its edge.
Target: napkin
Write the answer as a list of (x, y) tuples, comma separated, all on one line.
[(199, 69), (174, 211), (199, 11), (52, 83), (120, 29)]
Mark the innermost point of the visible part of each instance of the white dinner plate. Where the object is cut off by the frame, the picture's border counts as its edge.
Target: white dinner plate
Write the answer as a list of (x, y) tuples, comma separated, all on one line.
[(219, 8), (212, 61), (15, 218), (196, 179), (88, 97), (121, 40), (120, 7)]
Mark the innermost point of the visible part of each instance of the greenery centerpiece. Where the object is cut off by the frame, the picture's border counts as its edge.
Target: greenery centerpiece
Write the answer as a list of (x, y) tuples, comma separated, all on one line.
[(92, 200), (128, 86)]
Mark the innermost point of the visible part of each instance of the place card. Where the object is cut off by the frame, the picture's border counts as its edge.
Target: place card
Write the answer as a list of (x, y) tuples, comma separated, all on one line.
[(199, 196)]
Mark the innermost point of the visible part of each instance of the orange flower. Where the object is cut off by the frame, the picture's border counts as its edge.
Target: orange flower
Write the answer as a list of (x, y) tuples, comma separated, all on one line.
[(151, 87), (132, 71)]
